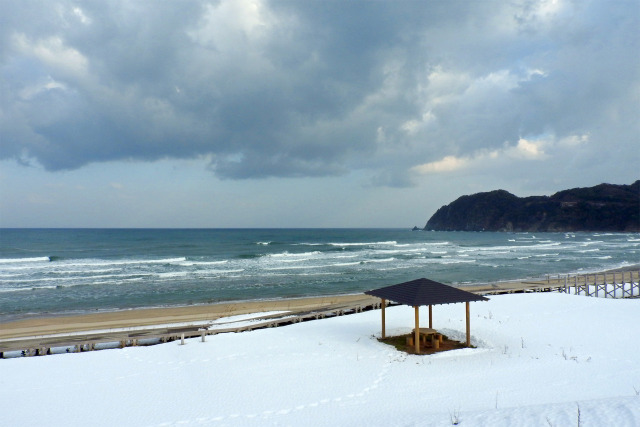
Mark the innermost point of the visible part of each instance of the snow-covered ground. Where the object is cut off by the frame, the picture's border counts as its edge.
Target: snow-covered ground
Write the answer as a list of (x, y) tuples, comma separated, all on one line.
[(541, 359)]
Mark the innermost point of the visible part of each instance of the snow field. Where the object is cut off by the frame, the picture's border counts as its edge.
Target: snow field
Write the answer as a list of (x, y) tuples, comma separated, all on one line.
[(540, 359)]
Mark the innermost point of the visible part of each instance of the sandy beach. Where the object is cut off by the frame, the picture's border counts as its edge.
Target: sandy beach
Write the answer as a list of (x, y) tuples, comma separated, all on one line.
[(159, 316)]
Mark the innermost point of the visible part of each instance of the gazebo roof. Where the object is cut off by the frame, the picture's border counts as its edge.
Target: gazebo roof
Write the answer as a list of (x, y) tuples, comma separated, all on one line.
[(424, 292)]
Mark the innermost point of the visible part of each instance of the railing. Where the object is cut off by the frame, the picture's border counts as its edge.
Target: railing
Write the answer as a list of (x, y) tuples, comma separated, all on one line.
[(605, 285)]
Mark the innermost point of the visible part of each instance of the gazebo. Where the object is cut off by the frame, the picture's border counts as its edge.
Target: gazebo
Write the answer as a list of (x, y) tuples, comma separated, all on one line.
[(416, 293)]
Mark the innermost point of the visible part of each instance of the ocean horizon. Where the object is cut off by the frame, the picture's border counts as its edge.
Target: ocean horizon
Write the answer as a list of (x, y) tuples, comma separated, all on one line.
[(60, 271)]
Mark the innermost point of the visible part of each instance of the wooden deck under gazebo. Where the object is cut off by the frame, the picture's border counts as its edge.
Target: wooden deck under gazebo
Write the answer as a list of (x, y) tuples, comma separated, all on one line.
[(419, 292)]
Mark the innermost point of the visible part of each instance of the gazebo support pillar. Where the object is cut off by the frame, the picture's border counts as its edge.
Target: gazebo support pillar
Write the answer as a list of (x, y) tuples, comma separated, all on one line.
[(416, 333), (419, 292), (468, 326), (382, 305)]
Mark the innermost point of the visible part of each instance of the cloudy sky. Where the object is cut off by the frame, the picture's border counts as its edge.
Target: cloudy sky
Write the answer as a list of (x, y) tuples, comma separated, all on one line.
[(257, 113)]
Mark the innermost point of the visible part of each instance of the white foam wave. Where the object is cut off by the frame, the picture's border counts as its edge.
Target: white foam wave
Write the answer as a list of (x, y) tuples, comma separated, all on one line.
[(82, 279), (447, 260), (379, 260), (345, 264), (288, 254), (99, 270), (23, 260), (509, 248), (71, 284), (27, 289), (103, 263), (200, 263), (591, 242), (387, 243), (296, 267), (217, 272), (400, 251), (172, 275)]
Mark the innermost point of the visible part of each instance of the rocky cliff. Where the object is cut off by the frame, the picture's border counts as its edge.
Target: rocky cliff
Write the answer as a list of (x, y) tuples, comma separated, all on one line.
[(605, 207)]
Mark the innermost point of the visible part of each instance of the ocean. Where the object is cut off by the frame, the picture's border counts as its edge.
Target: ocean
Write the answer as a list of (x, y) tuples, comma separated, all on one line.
[(68, 271)]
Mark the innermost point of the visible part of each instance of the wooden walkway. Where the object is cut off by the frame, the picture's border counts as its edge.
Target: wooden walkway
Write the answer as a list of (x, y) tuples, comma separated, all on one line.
[(611, 284), (614, 284), (88, 341)]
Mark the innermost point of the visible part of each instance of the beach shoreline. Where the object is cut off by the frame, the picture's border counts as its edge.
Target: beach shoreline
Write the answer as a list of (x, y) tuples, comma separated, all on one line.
[(165, 315), (78, 272), (149, 317)]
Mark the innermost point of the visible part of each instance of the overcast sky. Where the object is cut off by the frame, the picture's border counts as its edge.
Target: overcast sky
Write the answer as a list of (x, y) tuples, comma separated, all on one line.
[(237, 113)]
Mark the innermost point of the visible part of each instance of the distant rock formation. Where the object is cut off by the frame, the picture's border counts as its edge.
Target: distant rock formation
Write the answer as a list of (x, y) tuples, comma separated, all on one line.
[(605, 207)]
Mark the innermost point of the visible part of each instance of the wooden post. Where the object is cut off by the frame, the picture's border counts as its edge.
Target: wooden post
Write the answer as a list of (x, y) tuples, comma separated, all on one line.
[(430, 316), (384, 303), (468, 326), (586, 284), (182, 339), (416, 338)]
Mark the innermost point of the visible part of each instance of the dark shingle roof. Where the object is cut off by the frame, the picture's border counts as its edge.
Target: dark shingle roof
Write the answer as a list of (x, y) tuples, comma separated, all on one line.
[(424, 292)]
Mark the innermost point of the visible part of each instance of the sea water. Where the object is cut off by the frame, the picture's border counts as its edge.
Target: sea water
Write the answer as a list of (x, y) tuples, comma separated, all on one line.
[(64, 271)]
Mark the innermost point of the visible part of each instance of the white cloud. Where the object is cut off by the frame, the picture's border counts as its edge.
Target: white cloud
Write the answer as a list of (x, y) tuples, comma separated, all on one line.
[(446, 164), (54, 53), (79, 14), (574, 140), (31, 91), (527, 149), (228, 25)]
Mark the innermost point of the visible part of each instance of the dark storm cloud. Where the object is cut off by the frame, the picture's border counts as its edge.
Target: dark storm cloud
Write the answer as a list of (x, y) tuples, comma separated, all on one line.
[(311, 88)]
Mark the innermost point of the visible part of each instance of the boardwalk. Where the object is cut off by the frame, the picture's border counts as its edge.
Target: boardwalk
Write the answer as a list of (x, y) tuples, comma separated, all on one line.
[(77, 338), (29, 345)]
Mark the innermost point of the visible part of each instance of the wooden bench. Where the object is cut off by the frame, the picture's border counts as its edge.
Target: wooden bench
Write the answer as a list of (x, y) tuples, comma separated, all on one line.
[(426, 334)]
